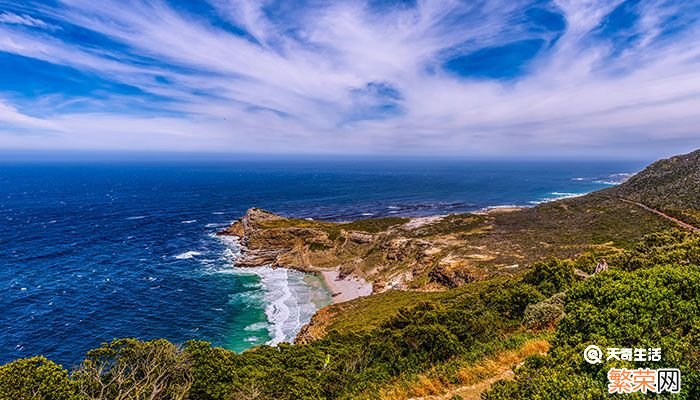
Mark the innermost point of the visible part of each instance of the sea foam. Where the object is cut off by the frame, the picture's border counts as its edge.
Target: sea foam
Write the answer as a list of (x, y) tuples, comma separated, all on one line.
[(187, 255), (289, 300)]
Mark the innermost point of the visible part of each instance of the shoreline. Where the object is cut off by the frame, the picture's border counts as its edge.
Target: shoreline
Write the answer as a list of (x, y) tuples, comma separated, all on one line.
[(346, 289)]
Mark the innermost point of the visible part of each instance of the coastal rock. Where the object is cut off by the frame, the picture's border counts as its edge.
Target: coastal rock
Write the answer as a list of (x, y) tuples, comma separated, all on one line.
[(381, 251), (270, 239), (359, 237), (452, 275), (314, 246), (316, 328)]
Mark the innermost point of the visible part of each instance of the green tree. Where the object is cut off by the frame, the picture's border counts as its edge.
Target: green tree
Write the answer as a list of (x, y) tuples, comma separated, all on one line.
[(134, 370), (35, 378), (552, 276)]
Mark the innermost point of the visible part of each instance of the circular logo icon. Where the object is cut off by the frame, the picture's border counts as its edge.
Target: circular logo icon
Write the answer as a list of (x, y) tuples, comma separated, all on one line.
[(593, 354)]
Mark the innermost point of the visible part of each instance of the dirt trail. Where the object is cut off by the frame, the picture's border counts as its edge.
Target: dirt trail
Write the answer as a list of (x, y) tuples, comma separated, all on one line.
[(678, 222), (487, 372), (471, 392)]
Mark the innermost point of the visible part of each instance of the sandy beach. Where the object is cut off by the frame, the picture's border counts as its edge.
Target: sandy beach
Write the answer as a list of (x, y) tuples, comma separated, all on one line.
[(346, 289)]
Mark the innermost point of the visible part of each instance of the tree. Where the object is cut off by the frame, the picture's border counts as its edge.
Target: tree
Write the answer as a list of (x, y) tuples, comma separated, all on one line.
[(135, 370), (35, 378)]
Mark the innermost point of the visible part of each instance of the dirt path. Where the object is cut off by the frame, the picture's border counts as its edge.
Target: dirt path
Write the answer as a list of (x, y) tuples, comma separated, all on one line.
[(678, 222), (481, 376), (473, 392)]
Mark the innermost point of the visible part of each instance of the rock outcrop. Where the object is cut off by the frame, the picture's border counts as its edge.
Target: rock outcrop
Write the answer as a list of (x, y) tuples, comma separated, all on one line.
[(380, 251), (269, 239)]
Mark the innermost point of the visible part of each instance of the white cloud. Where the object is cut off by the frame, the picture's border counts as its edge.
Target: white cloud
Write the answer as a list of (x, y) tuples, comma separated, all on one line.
[(292, 85), (15, 19)]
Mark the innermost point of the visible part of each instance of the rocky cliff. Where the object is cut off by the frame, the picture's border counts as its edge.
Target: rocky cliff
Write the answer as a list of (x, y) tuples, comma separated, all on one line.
[(372, 249)]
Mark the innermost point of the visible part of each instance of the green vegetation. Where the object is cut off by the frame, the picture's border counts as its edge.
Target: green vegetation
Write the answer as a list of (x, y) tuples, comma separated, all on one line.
[(545, 314), (315, 246), (411, 343), (669, 185), (368, 313), (332, 229), (373, 225), (36, 378), (618, 309), (463, 224)]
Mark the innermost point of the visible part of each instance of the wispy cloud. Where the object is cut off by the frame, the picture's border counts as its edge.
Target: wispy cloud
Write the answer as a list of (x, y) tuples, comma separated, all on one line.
[(11, 18), (459, 77)]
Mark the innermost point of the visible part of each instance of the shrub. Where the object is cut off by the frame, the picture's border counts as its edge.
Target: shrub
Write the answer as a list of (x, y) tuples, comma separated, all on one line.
[(35, 378), (653, 307), (545, 314), (551, 277), (663, 248)]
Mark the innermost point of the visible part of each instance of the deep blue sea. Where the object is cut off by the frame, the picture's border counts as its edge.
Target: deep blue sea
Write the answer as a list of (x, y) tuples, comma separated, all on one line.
[(91, 251)]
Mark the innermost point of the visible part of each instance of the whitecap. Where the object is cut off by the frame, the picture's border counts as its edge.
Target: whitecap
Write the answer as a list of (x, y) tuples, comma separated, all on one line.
[(556, 196), (137, 217), (289, 302), (256, 326), (187, 255), (367, 214), (189, 221), (502, 206), (565, 194), (611, 183)]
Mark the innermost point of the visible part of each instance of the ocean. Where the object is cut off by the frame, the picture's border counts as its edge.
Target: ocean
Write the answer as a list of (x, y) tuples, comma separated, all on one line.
[(91, 251)]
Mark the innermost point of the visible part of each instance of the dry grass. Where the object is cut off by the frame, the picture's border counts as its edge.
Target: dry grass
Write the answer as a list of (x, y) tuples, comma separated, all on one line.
[(496, 365), (473, 379)]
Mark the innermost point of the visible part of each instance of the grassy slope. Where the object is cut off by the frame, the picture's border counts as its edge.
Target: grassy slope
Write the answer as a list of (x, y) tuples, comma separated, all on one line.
[(671, 185), (562, 229), (506, 243)]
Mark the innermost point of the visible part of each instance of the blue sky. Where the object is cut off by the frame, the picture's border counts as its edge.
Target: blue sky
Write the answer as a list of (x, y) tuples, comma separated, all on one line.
[(462, 78)]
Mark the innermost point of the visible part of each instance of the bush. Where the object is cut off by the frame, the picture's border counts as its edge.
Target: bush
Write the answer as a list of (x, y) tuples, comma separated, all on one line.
[(653, 307), (545, 314), (663, 248), (35, 378), (551, 277)]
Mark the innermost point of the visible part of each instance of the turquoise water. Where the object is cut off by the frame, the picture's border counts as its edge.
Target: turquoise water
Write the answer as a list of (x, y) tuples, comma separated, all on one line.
[(280, 301), (94, 251)]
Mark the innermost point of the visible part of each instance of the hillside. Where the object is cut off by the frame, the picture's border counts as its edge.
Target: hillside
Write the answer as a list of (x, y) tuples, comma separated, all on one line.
[(492, 314), (671, 185), (447, 251)]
